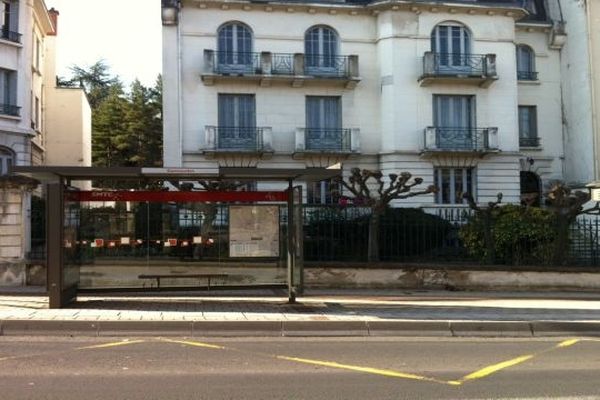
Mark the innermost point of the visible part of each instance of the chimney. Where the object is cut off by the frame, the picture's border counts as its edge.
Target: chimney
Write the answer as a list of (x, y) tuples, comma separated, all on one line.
[(53, 14)]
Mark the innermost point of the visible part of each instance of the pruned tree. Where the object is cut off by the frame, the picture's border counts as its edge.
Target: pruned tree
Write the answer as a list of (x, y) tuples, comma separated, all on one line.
[(370, 188), (566, 206), (486, 215)]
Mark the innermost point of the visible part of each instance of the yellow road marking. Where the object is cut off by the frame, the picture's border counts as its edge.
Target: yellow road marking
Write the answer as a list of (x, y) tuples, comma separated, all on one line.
[(567, 343), (482, 373), (196, 344), (495, 368), (113, 344), (384, 372)]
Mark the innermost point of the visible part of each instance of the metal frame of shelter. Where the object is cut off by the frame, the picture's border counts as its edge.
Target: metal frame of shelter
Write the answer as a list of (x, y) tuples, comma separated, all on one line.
[(57, 180)]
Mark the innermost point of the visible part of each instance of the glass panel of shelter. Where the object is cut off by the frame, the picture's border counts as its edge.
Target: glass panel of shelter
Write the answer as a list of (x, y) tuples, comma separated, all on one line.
[(129, 244)]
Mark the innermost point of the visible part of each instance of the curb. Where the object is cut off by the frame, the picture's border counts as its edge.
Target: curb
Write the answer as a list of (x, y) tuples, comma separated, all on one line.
[(299, 328)]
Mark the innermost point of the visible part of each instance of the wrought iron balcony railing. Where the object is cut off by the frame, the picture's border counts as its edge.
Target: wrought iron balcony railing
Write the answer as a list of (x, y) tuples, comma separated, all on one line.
[(237, 63), (326, 65), (266, 64), (461, 139), (282, 64), (9, 109), (457, 64), (10, 35), (246, 139), (527, 75), (529, 142), (329, 140)]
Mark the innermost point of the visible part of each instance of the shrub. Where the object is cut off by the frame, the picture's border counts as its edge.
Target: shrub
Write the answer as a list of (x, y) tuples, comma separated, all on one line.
[(521, 235), (342, 234)]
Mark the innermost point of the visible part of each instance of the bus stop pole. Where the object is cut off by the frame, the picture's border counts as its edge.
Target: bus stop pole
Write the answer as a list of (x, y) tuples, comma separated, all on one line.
[(290, 243)]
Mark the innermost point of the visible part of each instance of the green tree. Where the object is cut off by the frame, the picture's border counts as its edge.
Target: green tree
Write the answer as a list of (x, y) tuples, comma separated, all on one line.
[(97, 81), (144, 125), (110, 137)]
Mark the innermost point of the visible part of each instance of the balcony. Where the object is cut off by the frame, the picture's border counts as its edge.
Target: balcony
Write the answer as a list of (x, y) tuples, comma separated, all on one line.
[(471, 69), (9, 109), (237, 140), (11, 36), (532, 142), (460, 140), (341, 142), (266, 68), (527, 76)]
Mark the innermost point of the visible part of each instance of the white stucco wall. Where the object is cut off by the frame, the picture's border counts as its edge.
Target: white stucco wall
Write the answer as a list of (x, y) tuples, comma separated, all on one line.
[(581, 163), (389, 106)]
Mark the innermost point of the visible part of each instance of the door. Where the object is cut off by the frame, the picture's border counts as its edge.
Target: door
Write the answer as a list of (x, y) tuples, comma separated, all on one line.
[(237, 122), (323, 123)]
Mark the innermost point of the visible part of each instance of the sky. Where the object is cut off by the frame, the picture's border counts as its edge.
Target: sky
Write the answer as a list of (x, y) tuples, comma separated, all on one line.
[(125, 33)]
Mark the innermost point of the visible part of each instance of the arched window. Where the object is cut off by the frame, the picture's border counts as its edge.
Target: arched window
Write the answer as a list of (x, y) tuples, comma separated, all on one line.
[(7, 158), (526, 63), (321, 47), (235, 48), (452, 44)]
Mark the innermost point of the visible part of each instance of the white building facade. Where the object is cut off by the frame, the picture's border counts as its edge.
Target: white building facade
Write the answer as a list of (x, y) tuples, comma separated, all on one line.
[(465, 94), (40, 124)]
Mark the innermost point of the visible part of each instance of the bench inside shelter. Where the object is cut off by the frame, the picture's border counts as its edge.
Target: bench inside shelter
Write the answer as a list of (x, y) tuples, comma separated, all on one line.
[(208, 277)]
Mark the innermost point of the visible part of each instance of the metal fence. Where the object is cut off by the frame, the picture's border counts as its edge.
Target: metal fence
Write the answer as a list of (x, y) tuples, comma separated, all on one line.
[(331, 233)]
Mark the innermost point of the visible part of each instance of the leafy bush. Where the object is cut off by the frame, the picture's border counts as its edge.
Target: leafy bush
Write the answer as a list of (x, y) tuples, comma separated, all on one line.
[(521, 235)]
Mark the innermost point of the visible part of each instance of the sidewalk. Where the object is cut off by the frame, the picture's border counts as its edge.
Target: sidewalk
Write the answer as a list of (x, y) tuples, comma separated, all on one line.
[(317, 313)]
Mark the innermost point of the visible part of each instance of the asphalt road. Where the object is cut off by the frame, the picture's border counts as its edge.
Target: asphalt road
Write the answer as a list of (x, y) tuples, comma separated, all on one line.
[(311, 368)]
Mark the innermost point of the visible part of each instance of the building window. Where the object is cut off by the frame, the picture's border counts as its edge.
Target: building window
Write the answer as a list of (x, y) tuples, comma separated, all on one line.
[(321, 48), (452, 183), (9, 20), (235, 49), (454, 120), (237, 121), (8, 92), (37, 55), (452, 44), (36, 109), (323, 192), (6, 160), (528, 136), (526, 63), (323, 122)]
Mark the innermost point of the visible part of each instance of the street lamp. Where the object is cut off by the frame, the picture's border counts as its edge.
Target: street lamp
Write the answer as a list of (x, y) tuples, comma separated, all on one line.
[(170, 10)]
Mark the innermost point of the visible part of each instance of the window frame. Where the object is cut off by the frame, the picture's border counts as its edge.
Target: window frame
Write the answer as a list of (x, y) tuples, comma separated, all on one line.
[(326, 57), (467, 175), (321, 192), (529, 73), (230, 58), (532, 124), (7, 159)]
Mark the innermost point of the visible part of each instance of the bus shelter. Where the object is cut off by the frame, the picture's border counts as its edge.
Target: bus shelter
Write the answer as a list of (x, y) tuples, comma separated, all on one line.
[(172, 228)]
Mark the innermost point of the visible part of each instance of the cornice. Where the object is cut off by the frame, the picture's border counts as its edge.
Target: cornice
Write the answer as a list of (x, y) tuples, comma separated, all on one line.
[(374, 8)]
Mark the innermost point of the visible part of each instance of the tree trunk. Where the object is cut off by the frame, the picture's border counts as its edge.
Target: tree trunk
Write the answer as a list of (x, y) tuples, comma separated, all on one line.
[(374, 223), (488, 238), (561, 242)]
